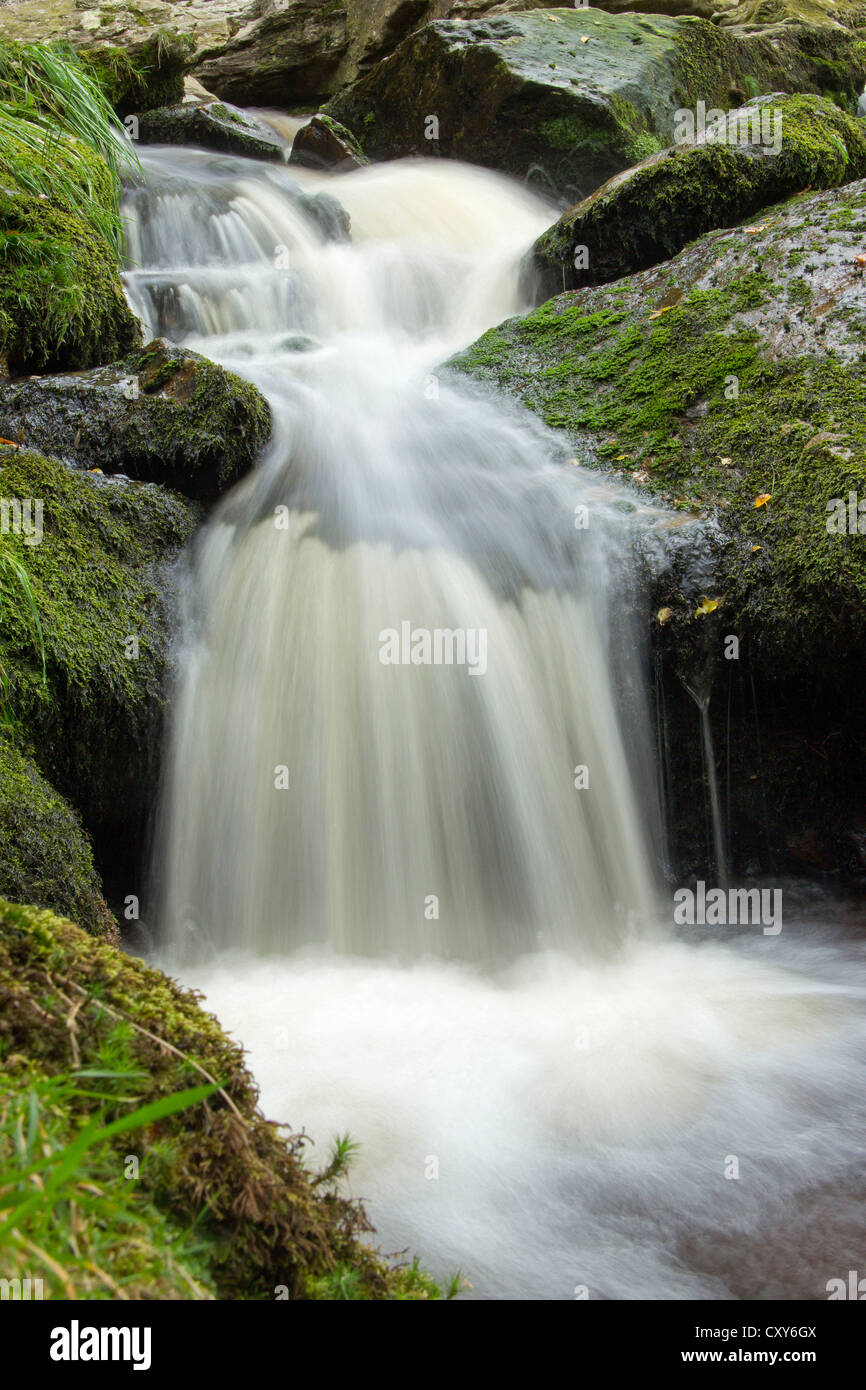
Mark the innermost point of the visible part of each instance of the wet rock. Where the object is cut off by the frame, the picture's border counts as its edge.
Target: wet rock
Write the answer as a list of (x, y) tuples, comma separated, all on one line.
[(163, 414), (213, 125), (568, 98), (771, 148), (325, 144)]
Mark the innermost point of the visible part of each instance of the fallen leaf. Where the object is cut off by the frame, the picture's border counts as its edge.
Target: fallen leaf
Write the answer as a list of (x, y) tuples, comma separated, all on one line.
[(657, 313), (10, 442), (762, 499), (726, 463), (94, 470), (664, 615), (762, 227), (706, 605), (756, 547), (585, 38), (861, 260)]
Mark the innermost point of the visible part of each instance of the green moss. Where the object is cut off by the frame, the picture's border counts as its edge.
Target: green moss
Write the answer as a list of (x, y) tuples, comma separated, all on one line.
[(61, 300), (96, 586), (45, 856), (265, 1220), (659, 207), (656, 390)]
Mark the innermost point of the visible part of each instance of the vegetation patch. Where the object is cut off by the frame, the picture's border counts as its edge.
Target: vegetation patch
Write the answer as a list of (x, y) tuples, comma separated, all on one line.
[(89, 1037)]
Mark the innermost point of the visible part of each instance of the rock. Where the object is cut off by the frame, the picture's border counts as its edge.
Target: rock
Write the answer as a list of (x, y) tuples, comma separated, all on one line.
[(139, 72), (731, 382), (234, 1196), (65, 308), (568, 98), (844, 13), (303, 53), (325, 144), (103, 594), (45, 856), (140, 51), (163, 414), (649, 212), (214, 126)]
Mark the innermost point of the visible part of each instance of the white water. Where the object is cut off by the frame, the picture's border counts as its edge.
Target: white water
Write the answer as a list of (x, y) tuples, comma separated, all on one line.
[(578, 1076)]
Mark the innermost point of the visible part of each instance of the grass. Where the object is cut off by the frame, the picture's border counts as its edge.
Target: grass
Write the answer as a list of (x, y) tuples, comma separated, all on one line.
[(59, 137), (71, 1213)]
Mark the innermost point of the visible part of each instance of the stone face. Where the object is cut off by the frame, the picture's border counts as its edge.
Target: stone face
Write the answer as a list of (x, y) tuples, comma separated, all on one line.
[(730, 383), (771, 148), (567, 98), (212, 126), (163, 414)]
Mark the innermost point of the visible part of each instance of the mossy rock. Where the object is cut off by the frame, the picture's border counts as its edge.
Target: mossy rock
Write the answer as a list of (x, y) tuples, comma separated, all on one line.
[(213, 125), (730, 382), (61, 300), (45, 856), (141, 76), (325, 144), (103, 596), (163, 414), (567, 98), (648, 213), (265, 1219)]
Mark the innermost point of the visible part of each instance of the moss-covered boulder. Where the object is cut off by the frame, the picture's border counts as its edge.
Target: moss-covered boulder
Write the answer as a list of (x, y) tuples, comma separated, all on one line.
[(769, 149), (266, 1225), (566, 98), (730, 383), (212, 125), (163, 414), (95, 552), (45, 856), (325, 144), (61, 299)]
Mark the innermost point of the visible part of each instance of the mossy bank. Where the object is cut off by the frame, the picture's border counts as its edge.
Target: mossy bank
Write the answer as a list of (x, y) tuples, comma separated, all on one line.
[(222, 1202)]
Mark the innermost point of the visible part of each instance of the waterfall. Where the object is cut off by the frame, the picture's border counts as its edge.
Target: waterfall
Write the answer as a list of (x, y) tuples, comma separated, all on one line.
[(317, 792), (408, 818)]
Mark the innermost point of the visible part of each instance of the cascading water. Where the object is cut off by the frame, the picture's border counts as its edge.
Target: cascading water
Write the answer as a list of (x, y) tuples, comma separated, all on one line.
[(420, 891)]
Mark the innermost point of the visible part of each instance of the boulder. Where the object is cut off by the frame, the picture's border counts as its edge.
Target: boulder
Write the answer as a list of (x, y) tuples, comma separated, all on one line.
[(304, 52), (61, 299), (325, 144), (213, 125), (96, 552), (769, 149), (45, 856), (163, 414), (730, 383), (567, 98)]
